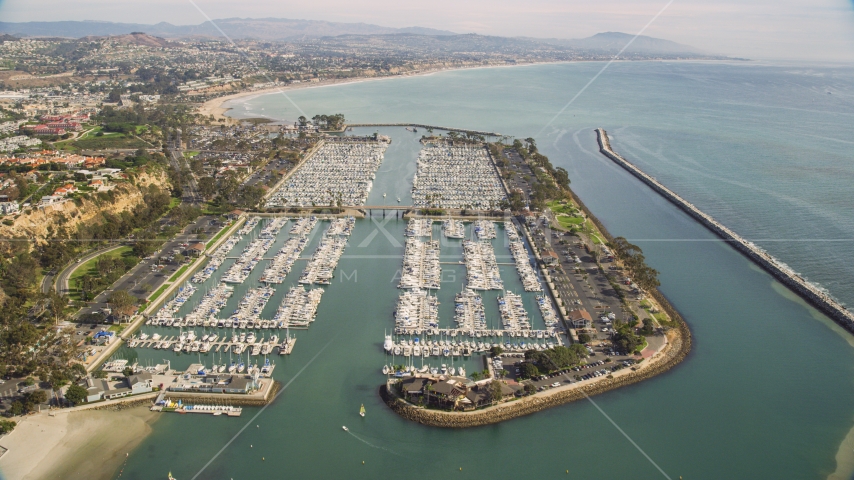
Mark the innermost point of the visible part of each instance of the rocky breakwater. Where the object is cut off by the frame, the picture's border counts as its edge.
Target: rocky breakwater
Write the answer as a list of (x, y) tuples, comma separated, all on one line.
[(677, 348), (779, 270)]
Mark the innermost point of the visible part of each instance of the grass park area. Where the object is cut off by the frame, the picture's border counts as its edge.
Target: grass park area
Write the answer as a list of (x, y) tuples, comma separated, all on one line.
[(178, 273), (191, 153), (566, 214), (218, 235), (110, 141), (90, 267)]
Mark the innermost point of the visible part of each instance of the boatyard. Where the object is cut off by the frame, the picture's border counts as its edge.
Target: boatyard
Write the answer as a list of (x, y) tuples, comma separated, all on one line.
[(452, 176), (347, 169)]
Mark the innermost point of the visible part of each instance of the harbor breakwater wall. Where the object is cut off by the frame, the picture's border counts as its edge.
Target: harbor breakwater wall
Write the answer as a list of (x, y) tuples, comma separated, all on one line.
[(785, 275), (678, 347), (418, 125)]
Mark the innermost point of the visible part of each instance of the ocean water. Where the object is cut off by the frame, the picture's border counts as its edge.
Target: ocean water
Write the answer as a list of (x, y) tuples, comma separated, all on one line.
[(766, 392)]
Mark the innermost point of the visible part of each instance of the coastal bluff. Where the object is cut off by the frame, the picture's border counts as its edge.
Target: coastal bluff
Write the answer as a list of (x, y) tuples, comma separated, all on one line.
[(677, 348), (783, 273)]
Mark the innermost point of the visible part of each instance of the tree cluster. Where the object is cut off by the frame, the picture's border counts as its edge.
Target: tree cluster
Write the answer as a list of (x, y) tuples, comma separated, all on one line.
[(632, 257)]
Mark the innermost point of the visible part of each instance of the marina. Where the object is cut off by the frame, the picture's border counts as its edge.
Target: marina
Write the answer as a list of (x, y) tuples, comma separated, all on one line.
[(481, 267), (513, 314), (452, 228), (530, 281), (421, 265), (321, 267), (347, 169), (419, 227), (416, 311), (451, 176), (254, 252), (484, 229)]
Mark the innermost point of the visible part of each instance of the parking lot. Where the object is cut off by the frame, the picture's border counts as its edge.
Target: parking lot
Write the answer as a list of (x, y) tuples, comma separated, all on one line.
[(599, 364), (151, 272)]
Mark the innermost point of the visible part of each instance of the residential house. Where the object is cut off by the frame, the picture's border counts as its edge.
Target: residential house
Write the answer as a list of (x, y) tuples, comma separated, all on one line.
[(7, 208)]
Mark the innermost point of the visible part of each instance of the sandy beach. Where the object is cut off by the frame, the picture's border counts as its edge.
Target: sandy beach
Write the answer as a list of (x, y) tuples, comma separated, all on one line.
[(78, 445), (215, 106)]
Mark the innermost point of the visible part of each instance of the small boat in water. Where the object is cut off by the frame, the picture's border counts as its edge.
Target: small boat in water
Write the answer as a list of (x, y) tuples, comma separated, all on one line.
[(345, 428), (362, 410), (385, 370)]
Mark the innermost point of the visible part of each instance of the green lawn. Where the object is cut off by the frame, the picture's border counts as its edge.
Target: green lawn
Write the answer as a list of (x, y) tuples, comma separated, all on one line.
[(558, 206), (89, 267), (218, 235), (569, 222), (110, 141), (158, 292), (178, 273), (191, 153)]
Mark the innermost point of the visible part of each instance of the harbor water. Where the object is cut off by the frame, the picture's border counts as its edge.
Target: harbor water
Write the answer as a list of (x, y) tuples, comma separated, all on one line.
[(767, 390)]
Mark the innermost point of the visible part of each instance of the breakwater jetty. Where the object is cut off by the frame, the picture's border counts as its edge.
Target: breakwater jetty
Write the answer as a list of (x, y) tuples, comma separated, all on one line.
[(783, 273), (419, 125)]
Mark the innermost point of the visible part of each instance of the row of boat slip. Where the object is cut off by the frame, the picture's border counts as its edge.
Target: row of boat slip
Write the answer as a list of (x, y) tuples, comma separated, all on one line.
[(250, 306), (484, 229), (216, 259), (547, 310), (510, 228), (469, 313), (280, 266), (483, 333), (303, 226), (236, 344), (251, 256), (419, 227), (299, 307), (465, 347), (416, 309), (250, 225), (481, 267), (212, 322), (341, 226), (513, 314), (529, 279), (412, 369), (421, 268), (456, 177), (273, 228), (210, 305), (321, 267), (172, 306), (337, 173), (453, 228)]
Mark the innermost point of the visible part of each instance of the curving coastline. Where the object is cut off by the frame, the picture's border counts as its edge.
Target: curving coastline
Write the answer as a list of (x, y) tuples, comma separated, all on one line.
[(678, 347), (785, 275)]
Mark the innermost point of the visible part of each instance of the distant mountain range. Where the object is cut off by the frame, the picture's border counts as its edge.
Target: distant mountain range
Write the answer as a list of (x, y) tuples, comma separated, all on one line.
[(257, 28), (615, 41), (281, 29)]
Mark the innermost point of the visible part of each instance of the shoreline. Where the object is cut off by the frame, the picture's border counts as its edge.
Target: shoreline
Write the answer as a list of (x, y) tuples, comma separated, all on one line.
[(674, 352), (214, 106), (74, 445)]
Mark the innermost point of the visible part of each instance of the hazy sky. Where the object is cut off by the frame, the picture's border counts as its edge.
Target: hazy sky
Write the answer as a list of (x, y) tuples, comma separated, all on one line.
[(759, 29)]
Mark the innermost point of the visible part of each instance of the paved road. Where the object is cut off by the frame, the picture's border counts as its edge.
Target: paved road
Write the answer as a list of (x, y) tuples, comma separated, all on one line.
[(61, 282), (142, 280)]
